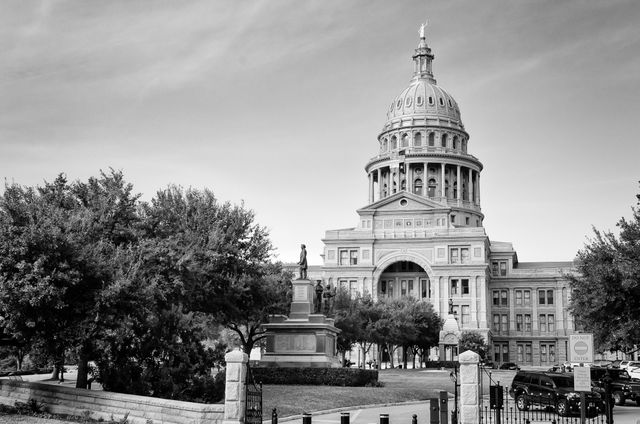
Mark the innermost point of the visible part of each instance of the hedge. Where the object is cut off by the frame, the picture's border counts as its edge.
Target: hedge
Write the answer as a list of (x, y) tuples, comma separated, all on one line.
[(441, 364), (352, 377)]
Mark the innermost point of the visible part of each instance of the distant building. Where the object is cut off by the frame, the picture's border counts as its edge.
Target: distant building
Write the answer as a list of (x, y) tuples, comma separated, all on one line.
[(422, 235)]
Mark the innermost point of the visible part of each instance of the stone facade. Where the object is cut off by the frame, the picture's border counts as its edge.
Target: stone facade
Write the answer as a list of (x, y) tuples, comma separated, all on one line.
[(421, 234)]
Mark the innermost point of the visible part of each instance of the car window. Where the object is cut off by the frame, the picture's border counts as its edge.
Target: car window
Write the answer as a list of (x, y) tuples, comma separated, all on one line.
[(546, 382), (622, 375), (563, 381)]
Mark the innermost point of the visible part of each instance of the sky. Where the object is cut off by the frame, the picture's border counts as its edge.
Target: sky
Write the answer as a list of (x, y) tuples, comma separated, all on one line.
[(278, 104)]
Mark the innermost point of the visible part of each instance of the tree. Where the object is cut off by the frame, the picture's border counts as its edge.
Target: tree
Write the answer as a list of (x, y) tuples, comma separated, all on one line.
[(54, 245), (472, 340), (605, 298)]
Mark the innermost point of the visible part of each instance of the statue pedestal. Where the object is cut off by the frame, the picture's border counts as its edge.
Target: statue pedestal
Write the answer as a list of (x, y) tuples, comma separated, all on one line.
[(303, 339)]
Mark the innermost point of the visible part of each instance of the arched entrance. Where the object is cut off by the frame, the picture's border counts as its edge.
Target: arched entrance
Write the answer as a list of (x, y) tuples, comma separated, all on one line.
[(403, 278)]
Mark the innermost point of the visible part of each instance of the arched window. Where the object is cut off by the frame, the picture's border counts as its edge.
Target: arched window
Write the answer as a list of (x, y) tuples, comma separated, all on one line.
[(447, 192), (441, 101), (444, 140), (432, 139), (455, 190), (394, 143), (384, 145), (455, 143), (432, 187), (405, 140), (384, 191), (417, 139), (417, 186), (464, 146), (465, 194), (431, 100), (403, 185)]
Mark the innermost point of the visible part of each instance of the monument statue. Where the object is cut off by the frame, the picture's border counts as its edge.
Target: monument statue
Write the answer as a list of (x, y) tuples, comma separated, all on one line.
[(303, 262), (328, 295), (318, 300)]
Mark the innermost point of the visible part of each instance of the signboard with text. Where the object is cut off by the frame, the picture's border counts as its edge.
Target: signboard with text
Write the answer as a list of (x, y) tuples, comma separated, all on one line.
[(581, 348), (582, 379)]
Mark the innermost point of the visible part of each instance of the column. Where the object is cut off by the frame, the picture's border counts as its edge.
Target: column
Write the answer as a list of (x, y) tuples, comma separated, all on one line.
[(470, 196), (379, 184), (478, 188), (370, 187), (425, 179), (459, 184), (469, 387), (397, 179), (409, 177), (235, 395), (442, 186)]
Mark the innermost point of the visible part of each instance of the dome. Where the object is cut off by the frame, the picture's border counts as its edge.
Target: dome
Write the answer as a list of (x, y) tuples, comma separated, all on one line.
[(425, 99), (423, 102)]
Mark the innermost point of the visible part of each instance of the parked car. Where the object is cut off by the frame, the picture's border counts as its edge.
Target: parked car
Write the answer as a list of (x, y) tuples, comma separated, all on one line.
[(623, 387), (602, 363), (509, 366), (634, 373), (488, 364), (551, 390), (626, 365)]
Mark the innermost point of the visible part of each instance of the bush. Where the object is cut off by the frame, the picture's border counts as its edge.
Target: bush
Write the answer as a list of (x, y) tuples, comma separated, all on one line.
[(441, 364), (352, 377)]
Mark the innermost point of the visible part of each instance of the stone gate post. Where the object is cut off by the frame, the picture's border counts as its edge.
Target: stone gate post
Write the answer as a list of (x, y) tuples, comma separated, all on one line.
[(469, 387), (235, 393)]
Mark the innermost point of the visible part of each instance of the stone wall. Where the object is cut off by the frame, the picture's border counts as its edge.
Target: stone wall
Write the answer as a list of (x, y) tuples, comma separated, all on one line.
[(141, 409)]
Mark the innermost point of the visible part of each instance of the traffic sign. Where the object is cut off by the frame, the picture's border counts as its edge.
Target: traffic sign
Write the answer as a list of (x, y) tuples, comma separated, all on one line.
[(581, 348)]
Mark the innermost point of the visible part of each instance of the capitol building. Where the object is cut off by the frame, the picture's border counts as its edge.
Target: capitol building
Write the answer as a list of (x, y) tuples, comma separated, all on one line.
[(421, 235)]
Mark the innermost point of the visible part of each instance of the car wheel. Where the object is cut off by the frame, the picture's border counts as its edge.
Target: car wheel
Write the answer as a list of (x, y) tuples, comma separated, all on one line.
[(618, 398), (562, 408), (522, 403)]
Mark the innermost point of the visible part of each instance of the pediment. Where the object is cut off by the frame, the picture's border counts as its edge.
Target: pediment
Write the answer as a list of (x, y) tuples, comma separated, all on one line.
[(404, 201)]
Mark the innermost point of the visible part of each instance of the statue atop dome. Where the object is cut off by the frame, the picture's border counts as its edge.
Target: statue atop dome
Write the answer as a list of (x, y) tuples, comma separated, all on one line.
[(422, 27)]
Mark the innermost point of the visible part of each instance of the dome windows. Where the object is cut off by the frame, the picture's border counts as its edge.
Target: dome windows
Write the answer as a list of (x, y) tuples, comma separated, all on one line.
[(432, 139), (408, 101), (441, 101), (444, 140), (455, 143), (417, 140), (384, 145), (405, 140), (394, 143), (450, 104), (431, 101), (419, 101)]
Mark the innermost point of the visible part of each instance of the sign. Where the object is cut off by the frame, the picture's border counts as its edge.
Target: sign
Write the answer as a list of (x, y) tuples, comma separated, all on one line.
[(300, 293), (581, 348), (582, 379)]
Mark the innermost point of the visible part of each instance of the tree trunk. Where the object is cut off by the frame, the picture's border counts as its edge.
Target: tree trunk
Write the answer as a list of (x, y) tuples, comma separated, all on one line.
[(55, 373), (83, 370)]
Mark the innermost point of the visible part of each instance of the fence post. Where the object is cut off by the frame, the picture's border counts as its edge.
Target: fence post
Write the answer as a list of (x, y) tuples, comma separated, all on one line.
[(414, 419), (469, 388), (384, 418), (306, 418), (274, 416), (434, 410), (444, 407), (235, 392)]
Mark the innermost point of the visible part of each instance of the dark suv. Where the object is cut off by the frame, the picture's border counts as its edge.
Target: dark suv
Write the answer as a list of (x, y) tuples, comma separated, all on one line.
[(552, 390), (623, 387)]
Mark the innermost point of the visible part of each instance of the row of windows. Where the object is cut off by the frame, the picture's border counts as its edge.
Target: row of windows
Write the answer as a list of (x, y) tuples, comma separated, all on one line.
[(394, 144), (524, 352), (546, 323), (464, 312), (523, 297), (408, 101)]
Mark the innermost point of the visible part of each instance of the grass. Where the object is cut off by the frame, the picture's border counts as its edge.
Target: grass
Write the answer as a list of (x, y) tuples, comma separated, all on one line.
[(398, 386)]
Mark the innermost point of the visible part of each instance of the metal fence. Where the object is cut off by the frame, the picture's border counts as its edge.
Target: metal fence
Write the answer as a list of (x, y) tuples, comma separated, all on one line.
[(253, 405), (501, 408)]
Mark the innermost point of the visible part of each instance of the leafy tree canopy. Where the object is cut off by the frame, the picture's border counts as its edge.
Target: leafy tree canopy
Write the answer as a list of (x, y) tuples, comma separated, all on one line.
[(473, 341), (605, 298)]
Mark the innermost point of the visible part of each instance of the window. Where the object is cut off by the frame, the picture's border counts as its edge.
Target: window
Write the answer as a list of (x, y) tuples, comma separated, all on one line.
[(458, 255), (444, 140), (454, 286), (499, 268), (524, 352), (527, 323), (545, 297), (432, 139), (465, 286), (504, 323), (518, 297), (526, 297), (417, 139), (496, 323), (352, 286), (547, 323), (501, 352), (426, 288), (348, 257), (501, 298), (432, 187), (466, 314), (417, 186), (519, 322), (405, 140)]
